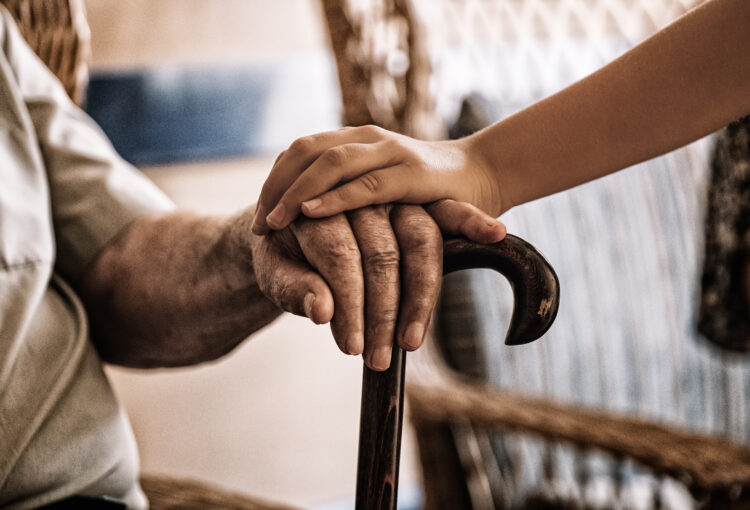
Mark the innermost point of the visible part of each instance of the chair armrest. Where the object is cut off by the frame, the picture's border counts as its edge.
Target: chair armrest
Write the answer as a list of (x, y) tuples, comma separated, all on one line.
[(165, 493), (703, 462), (57, 30)]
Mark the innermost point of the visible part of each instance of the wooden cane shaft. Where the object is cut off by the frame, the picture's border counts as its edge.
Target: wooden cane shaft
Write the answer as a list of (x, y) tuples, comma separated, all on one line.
[(381, 420)]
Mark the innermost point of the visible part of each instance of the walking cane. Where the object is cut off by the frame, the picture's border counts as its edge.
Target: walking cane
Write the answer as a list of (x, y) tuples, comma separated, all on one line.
[(536, 292)]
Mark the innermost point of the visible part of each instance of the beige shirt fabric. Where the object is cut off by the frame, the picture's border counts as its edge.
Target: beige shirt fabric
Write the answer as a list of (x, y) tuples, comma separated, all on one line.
[(64, 193)]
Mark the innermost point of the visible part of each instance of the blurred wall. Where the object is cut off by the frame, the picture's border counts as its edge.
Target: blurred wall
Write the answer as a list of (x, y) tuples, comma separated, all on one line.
[(278, 417), (143, 32)]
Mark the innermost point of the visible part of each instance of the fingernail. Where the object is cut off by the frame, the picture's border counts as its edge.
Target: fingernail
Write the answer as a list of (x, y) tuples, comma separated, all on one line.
[(308, 304), (381, 358), (311, 205), (257, 228), (413, 335), (497, 231), (276, 217), (355, 344)]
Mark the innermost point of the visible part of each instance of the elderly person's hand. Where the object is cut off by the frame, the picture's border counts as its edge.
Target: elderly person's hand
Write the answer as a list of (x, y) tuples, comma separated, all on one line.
[(372, 273), (182, 288)]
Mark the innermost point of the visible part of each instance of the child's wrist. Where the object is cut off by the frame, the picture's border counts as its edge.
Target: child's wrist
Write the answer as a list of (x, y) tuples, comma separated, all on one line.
[(497, 197)]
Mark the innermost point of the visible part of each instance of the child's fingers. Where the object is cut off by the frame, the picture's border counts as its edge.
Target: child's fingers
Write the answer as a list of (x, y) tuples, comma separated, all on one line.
[(382, 186), (334, 166), (461, 218), (301, 154)]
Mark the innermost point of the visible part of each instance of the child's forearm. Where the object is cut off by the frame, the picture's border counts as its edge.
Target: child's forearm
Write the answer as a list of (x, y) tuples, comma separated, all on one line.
[(683, 83)]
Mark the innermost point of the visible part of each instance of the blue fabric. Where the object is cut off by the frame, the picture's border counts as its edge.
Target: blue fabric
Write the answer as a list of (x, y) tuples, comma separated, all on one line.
[(173, 114)]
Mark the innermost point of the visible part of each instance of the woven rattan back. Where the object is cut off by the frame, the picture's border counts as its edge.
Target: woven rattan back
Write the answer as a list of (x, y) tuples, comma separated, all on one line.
[(58, 32), (382, 63), (407, 64)]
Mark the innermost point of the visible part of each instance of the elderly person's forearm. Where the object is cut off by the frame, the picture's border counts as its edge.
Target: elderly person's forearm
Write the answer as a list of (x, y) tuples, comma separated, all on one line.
[(174, 290)]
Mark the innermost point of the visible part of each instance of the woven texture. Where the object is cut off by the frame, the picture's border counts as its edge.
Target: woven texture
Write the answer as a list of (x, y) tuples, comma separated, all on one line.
[(58, 32), (666, 450), (407, 64), (166, 493), (382, 64)]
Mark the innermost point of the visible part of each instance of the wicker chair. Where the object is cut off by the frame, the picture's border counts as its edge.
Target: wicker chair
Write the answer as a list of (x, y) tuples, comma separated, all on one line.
[(406, 65), (58, 32)]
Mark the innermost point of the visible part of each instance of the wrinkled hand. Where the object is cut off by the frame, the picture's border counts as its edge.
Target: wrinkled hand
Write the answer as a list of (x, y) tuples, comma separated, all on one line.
[(335, 171), (373, 272)]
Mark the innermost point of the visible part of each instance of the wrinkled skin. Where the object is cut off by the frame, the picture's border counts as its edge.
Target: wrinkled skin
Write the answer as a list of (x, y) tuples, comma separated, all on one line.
[(380, 265)]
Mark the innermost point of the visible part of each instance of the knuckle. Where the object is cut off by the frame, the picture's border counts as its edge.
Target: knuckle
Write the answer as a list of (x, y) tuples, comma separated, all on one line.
[(335, 157), (371, 182), (371, 130), (301, 146), (417, 228), (370, 221), (384, 322), (383, 259), (341, 253), (416, 164), (278, 158), (425, 234), (395, 146), (419, 244), (445, 206)]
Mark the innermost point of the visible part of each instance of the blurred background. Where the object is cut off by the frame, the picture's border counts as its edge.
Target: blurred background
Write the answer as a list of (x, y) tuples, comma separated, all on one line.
[(202, 95)]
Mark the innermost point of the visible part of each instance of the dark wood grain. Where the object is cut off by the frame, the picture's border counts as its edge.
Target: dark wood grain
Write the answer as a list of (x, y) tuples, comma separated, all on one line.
[(536, 295), (536, 289), (381, 417)]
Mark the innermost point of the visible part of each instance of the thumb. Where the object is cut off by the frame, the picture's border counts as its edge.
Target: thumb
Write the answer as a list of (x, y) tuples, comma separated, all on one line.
[(293, 286), (461, 218)]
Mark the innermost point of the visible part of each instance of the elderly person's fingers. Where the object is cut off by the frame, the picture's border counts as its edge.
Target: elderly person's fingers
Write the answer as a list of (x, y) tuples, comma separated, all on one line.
[(462, 218), (300, 155), (421, 248), (290, 282), (330, 247), (380, 264)]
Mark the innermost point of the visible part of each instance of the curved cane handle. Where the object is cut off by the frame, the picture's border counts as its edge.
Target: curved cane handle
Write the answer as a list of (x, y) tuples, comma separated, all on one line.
[(536, 292), (536, 289)]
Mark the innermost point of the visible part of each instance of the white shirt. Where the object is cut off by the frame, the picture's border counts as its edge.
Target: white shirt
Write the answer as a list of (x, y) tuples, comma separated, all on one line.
[(64, 193)]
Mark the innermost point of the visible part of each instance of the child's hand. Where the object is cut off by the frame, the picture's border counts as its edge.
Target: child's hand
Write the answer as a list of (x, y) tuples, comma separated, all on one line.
[(336, 171)]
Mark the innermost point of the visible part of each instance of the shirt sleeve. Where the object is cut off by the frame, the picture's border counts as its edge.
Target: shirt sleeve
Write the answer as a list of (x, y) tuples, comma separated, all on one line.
[(94, 192)]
